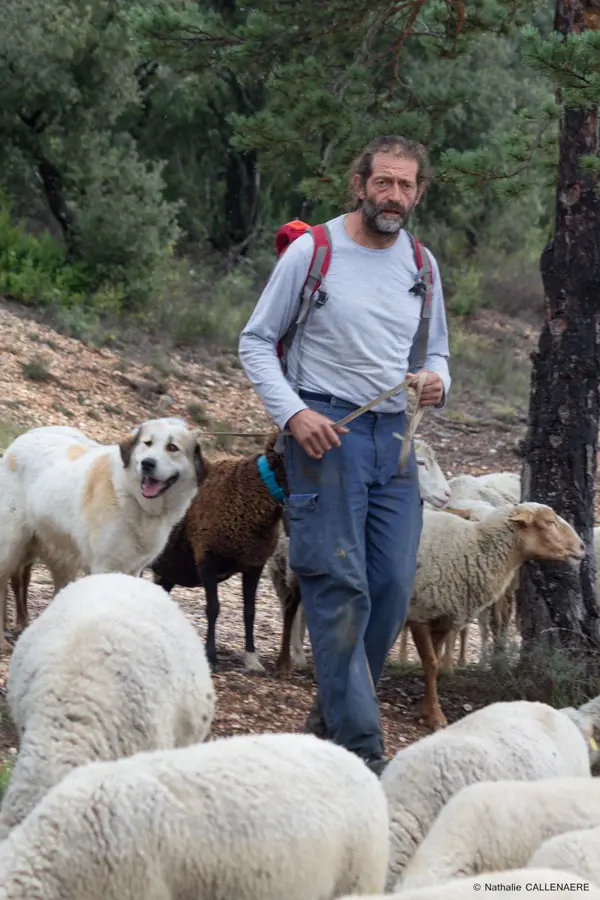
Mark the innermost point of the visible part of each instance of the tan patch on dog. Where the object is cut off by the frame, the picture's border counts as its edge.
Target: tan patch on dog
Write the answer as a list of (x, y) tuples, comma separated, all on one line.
[(12, 462), (99, 494), (75, 451)]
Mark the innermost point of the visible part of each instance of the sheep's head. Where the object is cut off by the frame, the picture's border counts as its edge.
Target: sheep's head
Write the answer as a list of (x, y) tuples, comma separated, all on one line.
[(432, 481), (587, 724), (546, 535)]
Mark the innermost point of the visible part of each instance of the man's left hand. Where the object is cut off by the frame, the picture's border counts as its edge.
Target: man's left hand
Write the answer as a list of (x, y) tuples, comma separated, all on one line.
[(432, 390)]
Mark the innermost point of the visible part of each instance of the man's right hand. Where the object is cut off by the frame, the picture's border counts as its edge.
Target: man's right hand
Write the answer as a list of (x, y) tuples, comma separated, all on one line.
[(315, 433)]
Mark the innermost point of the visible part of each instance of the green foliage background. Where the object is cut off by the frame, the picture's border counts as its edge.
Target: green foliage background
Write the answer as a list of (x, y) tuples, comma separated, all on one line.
[(151, 150)]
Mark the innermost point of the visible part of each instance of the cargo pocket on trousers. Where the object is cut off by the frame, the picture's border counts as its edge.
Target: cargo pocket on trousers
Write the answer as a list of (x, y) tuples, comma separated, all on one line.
[(307, 550)]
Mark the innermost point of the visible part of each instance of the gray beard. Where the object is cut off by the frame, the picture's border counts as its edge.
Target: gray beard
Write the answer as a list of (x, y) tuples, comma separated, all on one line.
[(379, 222)]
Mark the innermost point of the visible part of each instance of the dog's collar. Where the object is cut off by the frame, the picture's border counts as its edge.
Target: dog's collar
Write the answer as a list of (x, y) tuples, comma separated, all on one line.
[(268, 477)]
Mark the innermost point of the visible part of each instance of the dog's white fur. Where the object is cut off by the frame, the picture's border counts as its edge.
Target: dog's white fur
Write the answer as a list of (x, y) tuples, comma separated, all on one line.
[(78, 505)]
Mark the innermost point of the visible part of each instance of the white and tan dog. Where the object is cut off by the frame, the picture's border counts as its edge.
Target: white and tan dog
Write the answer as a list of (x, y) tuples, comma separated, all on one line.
[(81, 506)]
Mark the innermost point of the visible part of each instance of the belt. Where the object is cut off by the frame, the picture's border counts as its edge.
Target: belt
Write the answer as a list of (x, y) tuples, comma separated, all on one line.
[(325, 398)]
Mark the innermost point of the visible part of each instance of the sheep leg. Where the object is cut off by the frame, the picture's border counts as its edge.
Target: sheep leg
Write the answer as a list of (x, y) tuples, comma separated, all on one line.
[(500, 616), (250, 581), (432, 714), (495, 623), (483, 620), (20, 586), (462, 658), (163, 583), (208, 577), (449, 642), (446, 660), (292, 606), (5, 646), (298, 634), (403, 652)]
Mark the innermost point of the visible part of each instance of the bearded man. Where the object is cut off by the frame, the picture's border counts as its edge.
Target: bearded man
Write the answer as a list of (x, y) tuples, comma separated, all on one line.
[(354, 519)]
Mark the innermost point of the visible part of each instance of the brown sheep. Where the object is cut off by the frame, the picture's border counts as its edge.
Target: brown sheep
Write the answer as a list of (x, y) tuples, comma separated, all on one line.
[(231, 526)]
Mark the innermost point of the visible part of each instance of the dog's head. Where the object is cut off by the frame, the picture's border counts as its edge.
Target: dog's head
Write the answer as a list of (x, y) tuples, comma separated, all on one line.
[(162, 453)]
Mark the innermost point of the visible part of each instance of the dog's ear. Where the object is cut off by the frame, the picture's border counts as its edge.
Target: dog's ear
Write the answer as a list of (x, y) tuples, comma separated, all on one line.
[(127, 446), (199, 462)]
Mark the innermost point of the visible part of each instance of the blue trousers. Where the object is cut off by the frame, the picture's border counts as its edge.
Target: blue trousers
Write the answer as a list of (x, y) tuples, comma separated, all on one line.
[(355, 526)]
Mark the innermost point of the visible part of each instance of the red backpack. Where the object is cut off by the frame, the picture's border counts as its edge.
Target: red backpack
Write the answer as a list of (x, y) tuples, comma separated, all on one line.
[(319, 265)]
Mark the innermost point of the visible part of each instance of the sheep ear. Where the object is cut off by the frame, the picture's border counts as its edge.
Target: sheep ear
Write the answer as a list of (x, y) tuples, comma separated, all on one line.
[(270, 445), (127, 446), (199, 462), (522, 516), (585, 723)]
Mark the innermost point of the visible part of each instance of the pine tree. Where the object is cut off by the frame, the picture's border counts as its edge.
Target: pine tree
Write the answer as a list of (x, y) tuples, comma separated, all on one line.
[(558, 605)]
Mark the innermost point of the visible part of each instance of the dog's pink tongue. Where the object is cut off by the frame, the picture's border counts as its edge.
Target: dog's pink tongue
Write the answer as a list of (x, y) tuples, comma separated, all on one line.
[(151, 487)]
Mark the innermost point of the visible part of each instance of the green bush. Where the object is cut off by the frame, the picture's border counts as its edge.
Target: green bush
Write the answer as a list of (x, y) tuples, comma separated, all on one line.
[(125, 229), (34, 269)]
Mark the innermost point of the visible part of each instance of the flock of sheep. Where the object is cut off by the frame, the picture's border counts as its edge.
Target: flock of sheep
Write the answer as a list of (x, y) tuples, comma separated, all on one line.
[(117, 794), (119, 791)]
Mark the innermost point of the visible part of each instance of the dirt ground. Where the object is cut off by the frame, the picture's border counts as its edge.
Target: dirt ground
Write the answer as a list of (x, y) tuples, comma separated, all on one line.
[(48, 378)]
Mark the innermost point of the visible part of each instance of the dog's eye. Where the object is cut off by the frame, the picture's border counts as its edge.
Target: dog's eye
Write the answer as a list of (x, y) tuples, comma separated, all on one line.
[(148, 443), (172, 448)]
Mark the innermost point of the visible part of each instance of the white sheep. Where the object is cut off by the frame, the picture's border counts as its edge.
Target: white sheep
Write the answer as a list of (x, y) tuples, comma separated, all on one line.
[(435, 492), (470, 509), (496, 488), (560, 882), (433, 486), (496, 618), (464, 566), (480, 494), (272, 816), (496, 825), (578, 851), (110, 668), (517, 739)]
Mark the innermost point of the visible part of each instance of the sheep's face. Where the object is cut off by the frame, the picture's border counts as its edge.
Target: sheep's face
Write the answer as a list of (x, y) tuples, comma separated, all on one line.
[(432, 481), (545, 535)]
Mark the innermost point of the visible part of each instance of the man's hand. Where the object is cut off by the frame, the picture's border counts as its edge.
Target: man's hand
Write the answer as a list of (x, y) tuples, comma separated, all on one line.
[(432, 390), (315, 433)]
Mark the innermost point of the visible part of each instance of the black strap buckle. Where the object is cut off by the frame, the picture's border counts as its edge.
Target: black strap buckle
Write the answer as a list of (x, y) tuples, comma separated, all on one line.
[(420, 289)]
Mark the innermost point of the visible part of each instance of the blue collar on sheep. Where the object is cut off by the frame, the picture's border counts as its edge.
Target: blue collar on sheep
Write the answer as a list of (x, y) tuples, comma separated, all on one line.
[(268, 477)]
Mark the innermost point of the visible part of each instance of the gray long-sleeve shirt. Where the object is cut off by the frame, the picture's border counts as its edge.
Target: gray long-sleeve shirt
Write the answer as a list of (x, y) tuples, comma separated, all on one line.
[(358, 343)]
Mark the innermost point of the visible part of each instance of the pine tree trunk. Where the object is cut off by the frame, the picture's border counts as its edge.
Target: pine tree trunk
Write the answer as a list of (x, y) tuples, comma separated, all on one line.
[(557, 605)]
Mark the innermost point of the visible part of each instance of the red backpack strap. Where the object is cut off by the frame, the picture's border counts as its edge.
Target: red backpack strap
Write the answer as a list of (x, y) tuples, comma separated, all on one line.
[(318, 269), (424, 287), (319, 264)]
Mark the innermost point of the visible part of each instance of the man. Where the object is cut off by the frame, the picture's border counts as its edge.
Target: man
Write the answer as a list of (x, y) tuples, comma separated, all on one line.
[(354, 519)]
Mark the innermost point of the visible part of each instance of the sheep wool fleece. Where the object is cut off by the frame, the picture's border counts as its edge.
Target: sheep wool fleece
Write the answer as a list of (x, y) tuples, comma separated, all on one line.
[(252, 817)]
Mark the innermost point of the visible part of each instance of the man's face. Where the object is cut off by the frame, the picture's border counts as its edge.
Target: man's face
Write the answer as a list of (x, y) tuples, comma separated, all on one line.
[(390, 194)]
